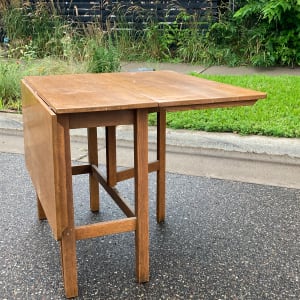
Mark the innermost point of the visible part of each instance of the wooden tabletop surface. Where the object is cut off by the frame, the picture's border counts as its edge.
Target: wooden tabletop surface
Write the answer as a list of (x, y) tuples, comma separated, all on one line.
[(119, 91)]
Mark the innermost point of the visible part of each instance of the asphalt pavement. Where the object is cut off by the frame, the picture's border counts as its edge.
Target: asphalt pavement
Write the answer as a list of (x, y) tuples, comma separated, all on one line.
[(221, 240), (231, 230)]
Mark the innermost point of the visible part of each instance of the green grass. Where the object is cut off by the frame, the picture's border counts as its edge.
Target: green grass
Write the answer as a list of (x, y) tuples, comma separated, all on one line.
[(12, 71), (278, 115)]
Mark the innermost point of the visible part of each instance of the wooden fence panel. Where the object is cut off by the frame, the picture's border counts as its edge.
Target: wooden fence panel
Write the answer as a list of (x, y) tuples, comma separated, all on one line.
[(136, 12)]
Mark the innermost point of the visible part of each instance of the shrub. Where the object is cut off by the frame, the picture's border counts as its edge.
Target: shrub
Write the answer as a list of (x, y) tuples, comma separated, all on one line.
[(275, 27), (102, 57)]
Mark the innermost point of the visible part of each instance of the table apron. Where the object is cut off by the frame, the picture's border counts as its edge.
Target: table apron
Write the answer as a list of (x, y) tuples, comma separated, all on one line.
[(101, 118), (207, 105)]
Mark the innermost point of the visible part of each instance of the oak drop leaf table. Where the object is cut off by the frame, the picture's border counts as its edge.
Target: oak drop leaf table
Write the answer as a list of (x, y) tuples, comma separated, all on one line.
[(52, 105)]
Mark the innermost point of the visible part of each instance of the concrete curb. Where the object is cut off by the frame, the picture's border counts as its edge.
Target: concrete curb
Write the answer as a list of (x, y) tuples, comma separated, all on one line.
[(186, 140), (256, 159)]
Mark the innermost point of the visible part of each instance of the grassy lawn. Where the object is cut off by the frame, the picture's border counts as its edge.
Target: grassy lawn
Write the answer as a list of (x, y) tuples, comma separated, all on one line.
[(278, 115)]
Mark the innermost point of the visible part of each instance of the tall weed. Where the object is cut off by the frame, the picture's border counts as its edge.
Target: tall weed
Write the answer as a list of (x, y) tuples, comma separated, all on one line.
[(102, 57), (39, 27), (10, 76)]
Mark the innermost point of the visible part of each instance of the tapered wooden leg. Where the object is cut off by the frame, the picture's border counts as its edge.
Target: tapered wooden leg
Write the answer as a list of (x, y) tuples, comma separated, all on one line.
[(141, 195), (69, 262), (93, 160), (161, 173), (68, 239), (111, 155), (41, 212)]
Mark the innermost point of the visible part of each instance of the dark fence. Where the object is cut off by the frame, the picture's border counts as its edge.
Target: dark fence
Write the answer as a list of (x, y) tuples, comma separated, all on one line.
[(136, 13)]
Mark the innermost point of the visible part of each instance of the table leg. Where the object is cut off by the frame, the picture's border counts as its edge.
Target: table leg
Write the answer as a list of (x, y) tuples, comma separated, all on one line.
[(93, 160), (111, 155), (69, 262), (141, 195), (161, 173), (68, 240)]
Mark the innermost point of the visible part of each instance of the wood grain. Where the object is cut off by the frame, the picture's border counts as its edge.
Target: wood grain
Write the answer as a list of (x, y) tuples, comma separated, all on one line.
[(54, 104), (134, 90), (141, 195), (111, 155), (93, 160), (63, 172), (114, 193), (161, 172), (105, 228), (40, 138), (87, 92)]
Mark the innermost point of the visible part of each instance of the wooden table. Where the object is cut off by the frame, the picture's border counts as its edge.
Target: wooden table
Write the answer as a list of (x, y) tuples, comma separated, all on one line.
[(52, 105)]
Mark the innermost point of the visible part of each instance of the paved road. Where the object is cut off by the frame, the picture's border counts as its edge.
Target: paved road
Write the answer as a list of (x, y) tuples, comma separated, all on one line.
[(221, 240)]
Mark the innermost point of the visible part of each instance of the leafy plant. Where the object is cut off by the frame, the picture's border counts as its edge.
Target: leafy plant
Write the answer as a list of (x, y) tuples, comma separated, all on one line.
[(278, 22), (103, 58)]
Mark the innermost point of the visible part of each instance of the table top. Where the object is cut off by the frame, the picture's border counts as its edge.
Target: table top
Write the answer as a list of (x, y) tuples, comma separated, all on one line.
[(74, 93)]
